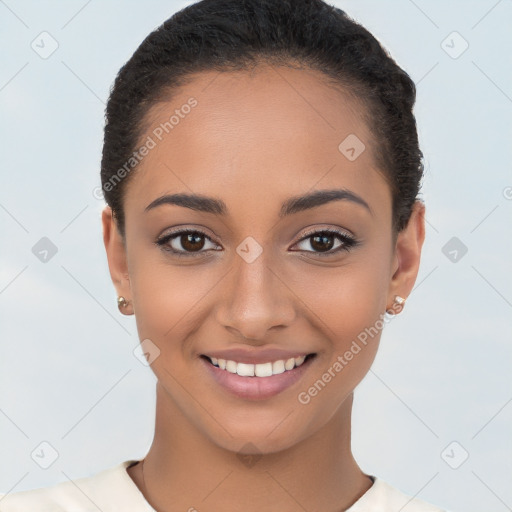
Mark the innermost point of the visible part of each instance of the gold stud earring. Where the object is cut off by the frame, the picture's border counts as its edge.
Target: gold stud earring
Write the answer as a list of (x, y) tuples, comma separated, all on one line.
[(122, 303)]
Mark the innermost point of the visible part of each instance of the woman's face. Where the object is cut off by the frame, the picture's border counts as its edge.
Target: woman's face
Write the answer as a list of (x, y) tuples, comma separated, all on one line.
[(261, 274)]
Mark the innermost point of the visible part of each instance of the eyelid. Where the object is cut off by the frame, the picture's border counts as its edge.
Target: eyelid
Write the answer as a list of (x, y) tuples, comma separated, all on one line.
[(185, 228), (328, 229)]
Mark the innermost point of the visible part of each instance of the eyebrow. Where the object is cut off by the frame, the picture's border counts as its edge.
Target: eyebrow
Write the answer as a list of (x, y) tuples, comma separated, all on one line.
[(290, 206)]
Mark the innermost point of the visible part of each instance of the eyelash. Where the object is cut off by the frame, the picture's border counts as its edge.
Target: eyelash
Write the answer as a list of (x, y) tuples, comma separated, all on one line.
[(348, 241)]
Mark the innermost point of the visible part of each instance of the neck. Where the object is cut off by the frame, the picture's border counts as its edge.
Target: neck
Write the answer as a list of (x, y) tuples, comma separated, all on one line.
[(185, 469)]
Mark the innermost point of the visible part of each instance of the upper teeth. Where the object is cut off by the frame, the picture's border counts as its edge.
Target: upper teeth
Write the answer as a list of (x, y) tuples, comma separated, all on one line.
[(258, 370)]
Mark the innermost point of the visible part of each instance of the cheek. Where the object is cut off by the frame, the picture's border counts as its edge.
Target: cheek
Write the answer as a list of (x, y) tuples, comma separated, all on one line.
[(168, 298), (346, 299), (347, 305)]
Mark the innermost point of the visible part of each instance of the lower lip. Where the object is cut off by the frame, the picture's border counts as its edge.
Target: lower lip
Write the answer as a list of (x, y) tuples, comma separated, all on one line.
[(257, 388)]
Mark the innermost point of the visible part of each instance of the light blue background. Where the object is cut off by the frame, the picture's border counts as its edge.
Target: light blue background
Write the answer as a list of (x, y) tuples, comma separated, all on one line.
[(67, 372)]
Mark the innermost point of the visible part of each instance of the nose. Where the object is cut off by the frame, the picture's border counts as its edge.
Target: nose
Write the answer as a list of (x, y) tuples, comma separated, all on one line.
[(255, 300)]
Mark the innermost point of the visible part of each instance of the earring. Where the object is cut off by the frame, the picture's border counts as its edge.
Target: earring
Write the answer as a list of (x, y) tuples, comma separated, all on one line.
[(122, 303), (398, 305), (399, 300)]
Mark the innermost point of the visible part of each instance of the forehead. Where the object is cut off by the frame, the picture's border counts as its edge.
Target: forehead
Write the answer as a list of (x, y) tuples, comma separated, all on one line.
[(259, 131)]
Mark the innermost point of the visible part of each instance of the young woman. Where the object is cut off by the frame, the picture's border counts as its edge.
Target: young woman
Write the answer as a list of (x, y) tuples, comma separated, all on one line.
[(261, 169)]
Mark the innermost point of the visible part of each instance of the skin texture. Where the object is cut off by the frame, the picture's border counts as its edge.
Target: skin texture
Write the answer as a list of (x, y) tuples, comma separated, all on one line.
[(255, 139)]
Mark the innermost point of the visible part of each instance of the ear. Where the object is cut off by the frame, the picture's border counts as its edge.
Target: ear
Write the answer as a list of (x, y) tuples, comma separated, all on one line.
[(408, 246), (116, 256)]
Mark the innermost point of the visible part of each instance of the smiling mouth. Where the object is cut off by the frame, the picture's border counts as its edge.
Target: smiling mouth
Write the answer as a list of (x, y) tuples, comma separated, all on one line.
[(267, 369)]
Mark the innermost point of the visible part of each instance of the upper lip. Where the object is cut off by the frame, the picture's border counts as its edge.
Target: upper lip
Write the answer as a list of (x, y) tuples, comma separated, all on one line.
[(255, 356)]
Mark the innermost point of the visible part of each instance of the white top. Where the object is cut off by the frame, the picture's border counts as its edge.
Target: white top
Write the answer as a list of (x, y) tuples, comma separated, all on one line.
[(113, 490)]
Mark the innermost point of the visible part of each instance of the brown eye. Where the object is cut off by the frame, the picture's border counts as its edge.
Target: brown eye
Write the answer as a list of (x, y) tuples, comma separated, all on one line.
[(192, 242), (323, 242), (186, 243)]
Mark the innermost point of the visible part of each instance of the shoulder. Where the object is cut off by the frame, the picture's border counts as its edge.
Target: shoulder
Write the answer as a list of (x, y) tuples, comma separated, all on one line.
[(383, 497), (109, 490)]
